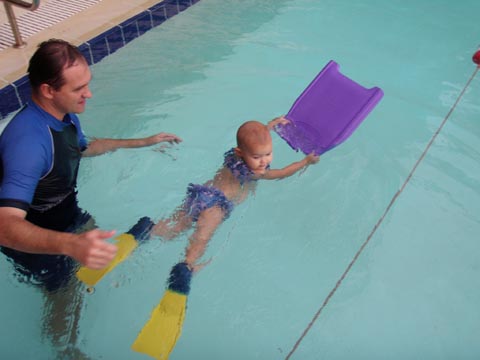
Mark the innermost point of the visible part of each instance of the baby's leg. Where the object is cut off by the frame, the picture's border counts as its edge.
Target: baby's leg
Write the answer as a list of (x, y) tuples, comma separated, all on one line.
[(173, 226), (207, 223)]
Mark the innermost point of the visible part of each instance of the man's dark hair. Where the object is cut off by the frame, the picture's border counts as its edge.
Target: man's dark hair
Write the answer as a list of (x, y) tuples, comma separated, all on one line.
[(48, 62)]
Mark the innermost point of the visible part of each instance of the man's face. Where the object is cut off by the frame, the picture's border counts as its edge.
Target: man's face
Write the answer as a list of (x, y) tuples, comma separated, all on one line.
[(73, 95)]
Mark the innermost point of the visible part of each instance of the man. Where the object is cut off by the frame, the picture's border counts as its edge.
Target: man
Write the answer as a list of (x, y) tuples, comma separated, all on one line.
[(40, 151), (42, 230)]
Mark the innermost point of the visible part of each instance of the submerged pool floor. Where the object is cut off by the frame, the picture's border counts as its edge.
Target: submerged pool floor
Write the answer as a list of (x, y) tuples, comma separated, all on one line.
[(299, 271)]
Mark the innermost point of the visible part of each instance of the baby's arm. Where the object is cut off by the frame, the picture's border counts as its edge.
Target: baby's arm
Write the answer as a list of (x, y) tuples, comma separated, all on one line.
[(292, 168), (281, 120)]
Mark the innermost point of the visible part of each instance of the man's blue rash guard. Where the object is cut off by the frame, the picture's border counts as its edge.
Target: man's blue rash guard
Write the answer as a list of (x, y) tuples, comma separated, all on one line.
[(40, 156), (39, 160)]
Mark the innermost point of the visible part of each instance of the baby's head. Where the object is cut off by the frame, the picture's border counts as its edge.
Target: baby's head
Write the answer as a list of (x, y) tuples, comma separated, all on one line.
[(254, 146)]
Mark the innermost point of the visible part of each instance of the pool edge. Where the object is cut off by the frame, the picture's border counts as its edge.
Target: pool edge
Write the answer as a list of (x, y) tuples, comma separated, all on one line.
[(14, 95)]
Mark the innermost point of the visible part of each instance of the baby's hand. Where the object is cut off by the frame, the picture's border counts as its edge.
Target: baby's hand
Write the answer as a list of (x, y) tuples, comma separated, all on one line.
[(312, 158), (281, 120)]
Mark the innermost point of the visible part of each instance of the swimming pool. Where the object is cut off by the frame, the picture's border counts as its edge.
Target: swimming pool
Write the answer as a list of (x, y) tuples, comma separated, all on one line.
[(413, 290)]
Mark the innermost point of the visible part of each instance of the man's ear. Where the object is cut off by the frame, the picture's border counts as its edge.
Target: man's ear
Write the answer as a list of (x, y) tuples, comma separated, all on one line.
[(46, 91)]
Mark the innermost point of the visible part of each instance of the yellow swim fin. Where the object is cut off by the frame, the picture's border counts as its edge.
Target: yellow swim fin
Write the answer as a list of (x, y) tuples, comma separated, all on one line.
[(126, 243), (161, 332)]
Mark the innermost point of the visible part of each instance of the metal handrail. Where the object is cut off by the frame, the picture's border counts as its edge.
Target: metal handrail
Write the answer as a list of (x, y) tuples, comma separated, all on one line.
[(24, 4), (19, 43)]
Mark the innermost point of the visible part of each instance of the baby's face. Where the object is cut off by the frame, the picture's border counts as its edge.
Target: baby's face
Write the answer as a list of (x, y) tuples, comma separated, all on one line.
[(258, 157)]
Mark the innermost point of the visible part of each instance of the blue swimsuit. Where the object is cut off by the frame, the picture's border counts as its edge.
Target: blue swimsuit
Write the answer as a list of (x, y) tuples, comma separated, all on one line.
[(39, 159), (203, 197)]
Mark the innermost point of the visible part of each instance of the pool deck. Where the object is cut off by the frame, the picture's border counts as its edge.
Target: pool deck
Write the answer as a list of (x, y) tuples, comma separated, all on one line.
[(77, 28)]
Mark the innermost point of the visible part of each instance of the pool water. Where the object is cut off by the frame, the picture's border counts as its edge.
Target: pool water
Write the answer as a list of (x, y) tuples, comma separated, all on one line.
[(299, 270)]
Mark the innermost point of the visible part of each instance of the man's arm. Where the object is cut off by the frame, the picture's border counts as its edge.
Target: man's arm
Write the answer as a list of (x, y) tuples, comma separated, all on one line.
[(101, 146), (89, 248)]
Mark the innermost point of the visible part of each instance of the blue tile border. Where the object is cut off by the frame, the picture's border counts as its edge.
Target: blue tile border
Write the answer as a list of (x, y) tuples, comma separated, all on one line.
[(14, 96)]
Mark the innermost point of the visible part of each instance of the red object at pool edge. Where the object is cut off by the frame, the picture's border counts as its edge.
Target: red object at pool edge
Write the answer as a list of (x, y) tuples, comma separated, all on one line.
[(476, 57)]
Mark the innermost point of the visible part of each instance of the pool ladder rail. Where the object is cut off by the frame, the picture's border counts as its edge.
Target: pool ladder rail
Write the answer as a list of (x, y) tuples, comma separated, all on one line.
[(32, 6)]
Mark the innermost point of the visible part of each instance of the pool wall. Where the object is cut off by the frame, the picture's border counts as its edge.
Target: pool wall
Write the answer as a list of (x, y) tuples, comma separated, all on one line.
[(16, 94)]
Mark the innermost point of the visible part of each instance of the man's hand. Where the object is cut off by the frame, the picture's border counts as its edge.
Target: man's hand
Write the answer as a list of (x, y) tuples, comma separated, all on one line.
[(92, 250), (162, 137)]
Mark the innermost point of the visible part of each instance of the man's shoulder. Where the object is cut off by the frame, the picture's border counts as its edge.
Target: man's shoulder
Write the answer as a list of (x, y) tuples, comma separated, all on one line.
[(24, 130), (26, 121)]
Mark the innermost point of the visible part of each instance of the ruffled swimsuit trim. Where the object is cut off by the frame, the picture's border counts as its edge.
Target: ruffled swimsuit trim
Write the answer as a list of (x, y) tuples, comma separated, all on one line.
[(238, 167), (202, 197)]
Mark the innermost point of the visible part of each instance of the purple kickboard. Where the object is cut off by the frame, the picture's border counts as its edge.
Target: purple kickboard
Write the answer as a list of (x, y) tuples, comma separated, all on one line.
[(328, 111)]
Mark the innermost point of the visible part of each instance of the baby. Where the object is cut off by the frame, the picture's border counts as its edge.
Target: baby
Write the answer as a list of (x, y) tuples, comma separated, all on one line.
[(209, 204)]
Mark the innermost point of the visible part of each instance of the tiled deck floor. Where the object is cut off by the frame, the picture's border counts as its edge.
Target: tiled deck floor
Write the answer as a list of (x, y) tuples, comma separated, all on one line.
[(77, 28)]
